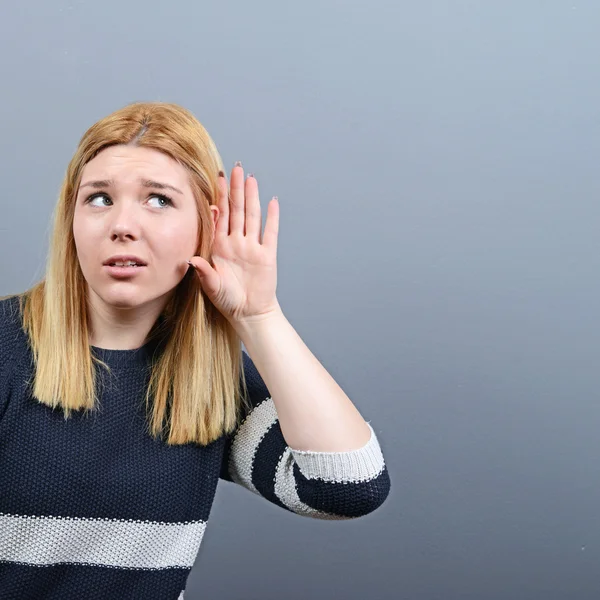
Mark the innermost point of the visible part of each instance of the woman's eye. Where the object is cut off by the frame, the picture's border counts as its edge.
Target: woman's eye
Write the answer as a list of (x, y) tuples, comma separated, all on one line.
[(167, 201), (163, 200), (95, 197)]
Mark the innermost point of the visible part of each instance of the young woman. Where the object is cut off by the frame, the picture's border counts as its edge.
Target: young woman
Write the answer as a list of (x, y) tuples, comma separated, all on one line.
[(125, 394)]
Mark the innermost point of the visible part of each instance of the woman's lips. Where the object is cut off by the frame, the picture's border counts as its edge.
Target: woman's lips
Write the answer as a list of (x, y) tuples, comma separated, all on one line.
[(123, 272)]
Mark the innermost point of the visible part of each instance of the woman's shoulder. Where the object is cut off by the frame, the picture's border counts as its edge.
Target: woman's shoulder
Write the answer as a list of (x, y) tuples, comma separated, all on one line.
[(10, 312), (11, 328), (8, 304)]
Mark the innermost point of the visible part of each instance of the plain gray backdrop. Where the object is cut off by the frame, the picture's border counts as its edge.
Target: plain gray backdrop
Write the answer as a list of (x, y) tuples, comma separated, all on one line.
[(436, 166)]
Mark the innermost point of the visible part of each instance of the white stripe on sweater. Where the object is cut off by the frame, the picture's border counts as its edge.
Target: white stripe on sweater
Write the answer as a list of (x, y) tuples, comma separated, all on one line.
[(350, 466), (106, 542), (247, 439)]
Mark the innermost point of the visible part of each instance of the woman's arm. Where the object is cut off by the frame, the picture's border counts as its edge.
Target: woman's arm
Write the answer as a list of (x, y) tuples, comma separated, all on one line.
[(322, 485), (314, 412)]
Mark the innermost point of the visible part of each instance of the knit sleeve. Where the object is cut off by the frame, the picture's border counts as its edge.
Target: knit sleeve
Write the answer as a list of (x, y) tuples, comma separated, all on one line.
[(321, 485)]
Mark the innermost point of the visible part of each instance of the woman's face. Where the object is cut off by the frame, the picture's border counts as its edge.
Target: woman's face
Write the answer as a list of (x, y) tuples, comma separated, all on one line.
[(122, 210)]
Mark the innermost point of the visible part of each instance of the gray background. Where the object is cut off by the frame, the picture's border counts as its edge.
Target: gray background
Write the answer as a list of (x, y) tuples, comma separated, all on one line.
[(436, 164)]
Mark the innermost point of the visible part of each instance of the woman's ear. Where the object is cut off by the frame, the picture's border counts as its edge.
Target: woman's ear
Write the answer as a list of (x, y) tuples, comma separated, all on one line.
[(215, 216)]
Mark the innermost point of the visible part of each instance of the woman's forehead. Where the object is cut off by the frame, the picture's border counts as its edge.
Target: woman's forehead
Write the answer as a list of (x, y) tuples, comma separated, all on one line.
[(127, 164)]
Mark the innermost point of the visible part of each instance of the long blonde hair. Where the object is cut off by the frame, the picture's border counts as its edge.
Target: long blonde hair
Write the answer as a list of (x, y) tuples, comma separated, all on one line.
[(197, 384)]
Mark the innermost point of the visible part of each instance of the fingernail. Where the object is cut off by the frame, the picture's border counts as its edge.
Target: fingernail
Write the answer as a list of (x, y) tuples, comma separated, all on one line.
[(221, 174), (237, 163), (250, 175)]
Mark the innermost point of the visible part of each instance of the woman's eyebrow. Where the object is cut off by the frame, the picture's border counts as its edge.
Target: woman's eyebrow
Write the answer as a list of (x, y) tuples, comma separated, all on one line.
[(149, 183), (161, 186)]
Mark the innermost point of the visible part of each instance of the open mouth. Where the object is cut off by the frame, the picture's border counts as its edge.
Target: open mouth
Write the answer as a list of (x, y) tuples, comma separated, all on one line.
[(125, 264), (120, 270)]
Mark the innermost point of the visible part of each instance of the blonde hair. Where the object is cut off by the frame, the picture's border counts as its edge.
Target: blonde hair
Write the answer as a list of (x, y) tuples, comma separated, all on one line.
[(197, 384)]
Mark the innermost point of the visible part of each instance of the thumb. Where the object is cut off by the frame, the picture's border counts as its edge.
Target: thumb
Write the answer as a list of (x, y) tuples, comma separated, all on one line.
[(208, 276)]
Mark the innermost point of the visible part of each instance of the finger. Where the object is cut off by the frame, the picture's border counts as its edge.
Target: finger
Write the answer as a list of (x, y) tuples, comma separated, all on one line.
[(223, 205), (209, 278), (271, 232), (237, 214), (253, 214)]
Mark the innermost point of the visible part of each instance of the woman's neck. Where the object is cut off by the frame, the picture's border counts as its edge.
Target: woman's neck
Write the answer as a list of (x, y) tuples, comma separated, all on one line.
[(118, 328)]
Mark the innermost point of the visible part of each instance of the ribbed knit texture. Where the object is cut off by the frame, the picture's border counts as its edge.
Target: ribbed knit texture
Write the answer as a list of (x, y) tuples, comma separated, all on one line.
[(93, 507)]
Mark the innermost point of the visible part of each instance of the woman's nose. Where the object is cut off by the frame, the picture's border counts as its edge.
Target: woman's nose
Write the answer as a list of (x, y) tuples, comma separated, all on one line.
[(125, 221)]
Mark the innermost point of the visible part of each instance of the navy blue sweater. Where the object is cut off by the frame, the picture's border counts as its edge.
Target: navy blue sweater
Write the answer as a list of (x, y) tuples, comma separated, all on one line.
[(94, 507)]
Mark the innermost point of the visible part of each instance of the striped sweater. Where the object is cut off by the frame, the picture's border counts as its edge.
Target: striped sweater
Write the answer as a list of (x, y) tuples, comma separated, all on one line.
[(94, 507)]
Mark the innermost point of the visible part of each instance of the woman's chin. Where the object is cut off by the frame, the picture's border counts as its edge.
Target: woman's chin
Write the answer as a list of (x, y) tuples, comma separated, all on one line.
[(123, 301), (125, 296)]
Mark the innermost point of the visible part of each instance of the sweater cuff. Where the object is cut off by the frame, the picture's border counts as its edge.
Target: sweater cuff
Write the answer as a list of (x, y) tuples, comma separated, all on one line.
[(361, 464)]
